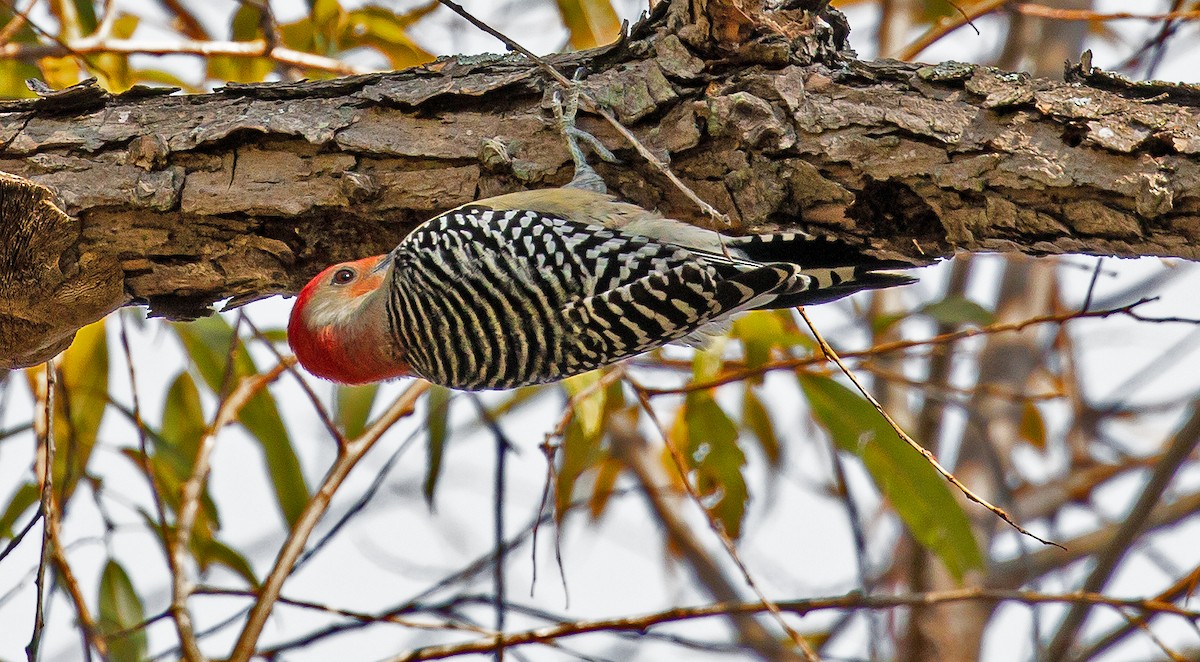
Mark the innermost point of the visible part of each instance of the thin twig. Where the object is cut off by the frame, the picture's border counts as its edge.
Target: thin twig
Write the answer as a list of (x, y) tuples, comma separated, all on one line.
[(257, 48), (1180, 448), (1183, 586), (147, 467), (359, 616), (189, 501), (717, 528), (549, 448), (47, 453), (330, 426), (632, 449), (898, 345), (1042, 11), (65, 48), (16, 540), (851, 601), (970, 494), (947, 24), (87, 624), (502, 445), (348, 457), (1087, 300), (413, 604)]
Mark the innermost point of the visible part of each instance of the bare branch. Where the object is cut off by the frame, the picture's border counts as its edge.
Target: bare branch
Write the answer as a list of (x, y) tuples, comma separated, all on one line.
[(348, 457)]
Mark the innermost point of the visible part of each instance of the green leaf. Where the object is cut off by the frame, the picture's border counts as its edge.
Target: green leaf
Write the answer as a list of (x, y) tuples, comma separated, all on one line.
[(756, 419), (213, 551), (904, 477), (936, 9), (182, 425), (327, 17), (383, 30), (591, 23), (1033, 428), (955, 310), (80, 405), (717, 459), (277, 335), (606, 478), (708, 362), (13, 75), (589, 410), (436, 424), (25, 496), (121, 609), (353, 406), (244, 27), (880, 324), (759, 331), (76, 18), (112, 69), (169, 485), (207, 342), (581, 440)]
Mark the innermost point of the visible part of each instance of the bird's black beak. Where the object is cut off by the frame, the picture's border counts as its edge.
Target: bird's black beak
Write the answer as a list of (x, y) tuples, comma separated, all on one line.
[(383, 264)]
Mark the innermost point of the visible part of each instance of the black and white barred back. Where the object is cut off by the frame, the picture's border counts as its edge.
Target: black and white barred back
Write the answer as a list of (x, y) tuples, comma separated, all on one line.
[(484, 299)]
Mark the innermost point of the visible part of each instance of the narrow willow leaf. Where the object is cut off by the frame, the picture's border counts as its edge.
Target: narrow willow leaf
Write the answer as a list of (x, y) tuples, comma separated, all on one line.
[(717, 459), (327, 17), (918, 493), (955, 310), (606, 478), (207, 342), (759, 331), (25, 496), (353, 407), (386, 32), (217, 552), (244, 27), (1033, 427), (112, 69), (757, 420), (170, 484), (708, 362), (437, 418), (589, 410), (584, 434), (121, 609), (182, 426), (81, 404), (13, 75)]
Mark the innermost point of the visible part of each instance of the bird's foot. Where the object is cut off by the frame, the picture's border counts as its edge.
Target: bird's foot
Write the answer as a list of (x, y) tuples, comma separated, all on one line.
[(566, 106)]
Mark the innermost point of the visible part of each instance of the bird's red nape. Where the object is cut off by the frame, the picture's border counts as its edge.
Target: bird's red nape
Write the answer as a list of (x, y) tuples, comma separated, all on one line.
[(329, 337)]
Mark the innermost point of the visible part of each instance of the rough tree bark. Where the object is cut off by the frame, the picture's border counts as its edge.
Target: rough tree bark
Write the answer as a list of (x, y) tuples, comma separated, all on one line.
[(180, 201)]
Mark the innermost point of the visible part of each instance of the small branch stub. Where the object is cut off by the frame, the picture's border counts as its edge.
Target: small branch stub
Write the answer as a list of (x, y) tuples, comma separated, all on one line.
[(47, 289)]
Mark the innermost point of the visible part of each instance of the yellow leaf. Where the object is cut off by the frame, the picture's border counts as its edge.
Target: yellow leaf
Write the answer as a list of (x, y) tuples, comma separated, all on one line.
[(1033, 428), (606, 478), (589, 410), (59, 72), (591, 23), (386, 32)]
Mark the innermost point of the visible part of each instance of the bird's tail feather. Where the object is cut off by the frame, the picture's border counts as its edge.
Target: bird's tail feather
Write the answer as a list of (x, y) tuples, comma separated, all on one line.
[(808, 251), (862, 280)]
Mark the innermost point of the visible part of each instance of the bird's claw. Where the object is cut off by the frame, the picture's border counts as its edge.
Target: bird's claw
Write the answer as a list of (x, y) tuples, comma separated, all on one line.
[(565, 102)]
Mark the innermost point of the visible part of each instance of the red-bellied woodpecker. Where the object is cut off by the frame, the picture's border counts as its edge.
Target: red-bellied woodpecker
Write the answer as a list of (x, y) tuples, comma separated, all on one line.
[(537, 286)]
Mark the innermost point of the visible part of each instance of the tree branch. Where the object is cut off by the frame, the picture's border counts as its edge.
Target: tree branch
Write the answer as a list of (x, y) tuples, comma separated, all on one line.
[(181, 201)]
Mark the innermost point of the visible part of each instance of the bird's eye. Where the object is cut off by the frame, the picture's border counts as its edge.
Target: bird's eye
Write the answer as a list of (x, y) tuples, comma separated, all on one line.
[(343, 276)]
